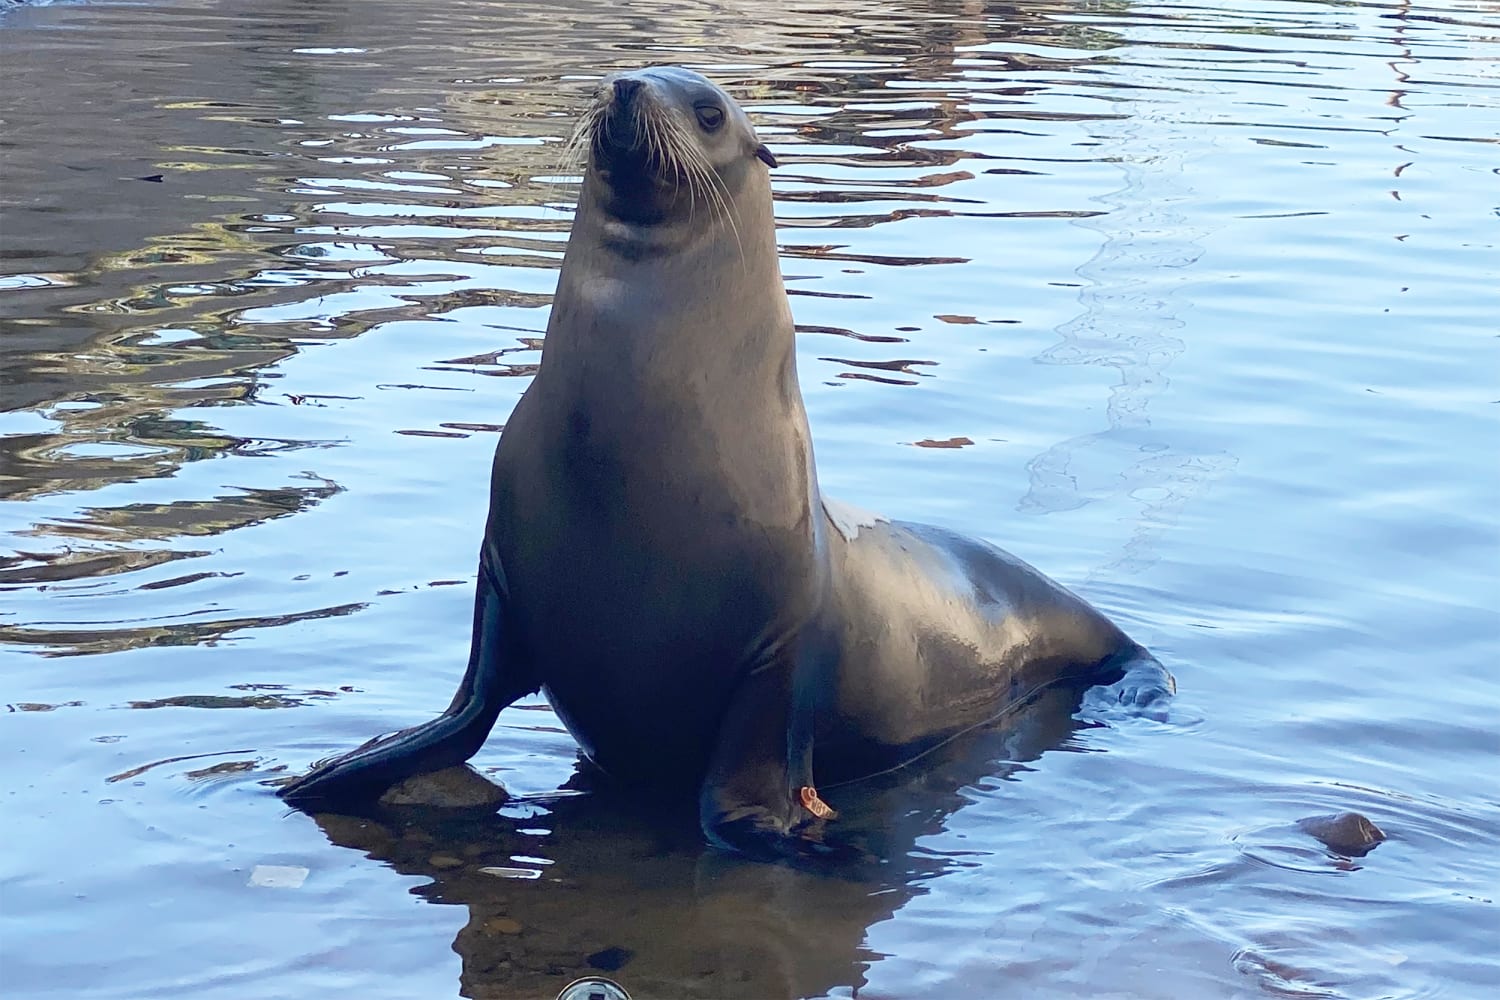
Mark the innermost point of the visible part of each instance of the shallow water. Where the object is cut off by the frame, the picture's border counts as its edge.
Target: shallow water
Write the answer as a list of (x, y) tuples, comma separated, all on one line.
[(1193, 306)]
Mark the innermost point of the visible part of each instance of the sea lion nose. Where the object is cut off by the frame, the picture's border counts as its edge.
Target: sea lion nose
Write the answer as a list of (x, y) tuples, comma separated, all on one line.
[(625, 89)]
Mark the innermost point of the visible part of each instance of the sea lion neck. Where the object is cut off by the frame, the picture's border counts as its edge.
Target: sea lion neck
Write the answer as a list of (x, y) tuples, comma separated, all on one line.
[(735, 216), (645, 214), (668, 297), (682, 308)]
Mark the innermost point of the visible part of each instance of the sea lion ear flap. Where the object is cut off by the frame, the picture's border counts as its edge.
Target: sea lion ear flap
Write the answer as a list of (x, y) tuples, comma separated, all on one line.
[(765, 156)]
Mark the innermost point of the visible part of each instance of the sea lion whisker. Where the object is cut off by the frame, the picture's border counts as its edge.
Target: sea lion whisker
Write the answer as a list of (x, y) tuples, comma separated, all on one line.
[(686, 168), (606, 128), (639, 115), (588, 122), (692, 162), (656, 134), (682, 177), (646, 127), (571, 154), (659, 151), (721, 194), (700, 176), (672, 161)]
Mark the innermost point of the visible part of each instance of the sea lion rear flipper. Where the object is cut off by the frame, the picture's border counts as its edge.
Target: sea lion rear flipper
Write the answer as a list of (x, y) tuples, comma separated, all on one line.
[(1137, 685), (495, 678)]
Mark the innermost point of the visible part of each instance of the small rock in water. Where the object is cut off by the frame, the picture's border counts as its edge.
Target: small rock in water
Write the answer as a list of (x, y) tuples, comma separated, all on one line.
[(610, 959), (1348, 833), (451, 788)]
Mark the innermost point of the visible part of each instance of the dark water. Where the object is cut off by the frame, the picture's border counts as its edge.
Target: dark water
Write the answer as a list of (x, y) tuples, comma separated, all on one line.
[(1197, 307)]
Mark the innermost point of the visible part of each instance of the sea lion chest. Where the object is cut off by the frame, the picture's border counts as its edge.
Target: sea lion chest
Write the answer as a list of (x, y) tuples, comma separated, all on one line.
[(653, 548)]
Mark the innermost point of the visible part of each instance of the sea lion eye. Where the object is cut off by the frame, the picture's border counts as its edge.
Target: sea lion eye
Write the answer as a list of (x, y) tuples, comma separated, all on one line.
[(709, 117)]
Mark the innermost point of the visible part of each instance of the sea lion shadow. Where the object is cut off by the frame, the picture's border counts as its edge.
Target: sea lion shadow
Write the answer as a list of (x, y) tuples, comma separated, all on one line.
[(591, 880)]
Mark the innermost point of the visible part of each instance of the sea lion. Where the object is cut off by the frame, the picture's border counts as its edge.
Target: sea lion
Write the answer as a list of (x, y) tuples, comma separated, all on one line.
[(658, 558)]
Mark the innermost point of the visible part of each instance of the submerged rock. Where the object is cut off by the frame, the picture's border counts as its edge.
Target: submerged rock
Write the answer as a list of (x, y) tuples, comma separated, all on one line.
[(451, 788)]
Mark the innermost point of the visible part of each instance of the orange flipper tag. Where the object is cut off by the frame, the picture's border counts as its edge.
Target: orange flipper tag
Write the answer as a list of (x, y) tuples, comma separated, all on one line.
[(810, 801)]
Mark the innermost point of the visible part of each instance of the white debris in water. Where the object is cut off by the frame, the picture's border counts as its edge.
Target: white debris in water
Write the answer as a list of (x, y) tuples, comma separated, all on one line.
[(278, 877), (499, 872)]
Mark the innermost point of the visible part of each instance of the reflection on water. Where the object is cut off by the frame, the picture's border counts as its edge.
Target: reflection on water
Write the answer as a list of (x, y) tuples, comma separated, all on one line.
[(1129, 315), (1209, 288), (567, 885)]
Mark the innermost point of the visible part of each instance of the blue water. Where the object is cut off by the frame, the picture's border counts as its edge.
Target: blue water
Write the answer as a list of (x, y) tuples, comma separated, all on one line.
[(1196, 307)]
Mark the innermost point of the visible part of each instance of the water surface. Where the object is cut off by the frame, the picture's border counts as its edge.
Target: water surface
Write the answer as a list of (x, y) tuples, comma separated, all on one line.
[(1193, 306)]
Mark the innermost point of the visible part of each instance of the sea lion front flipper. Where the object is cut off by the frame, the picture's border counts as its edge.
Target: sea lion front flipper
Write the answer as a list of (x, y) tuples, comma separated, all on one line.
[(758, 797), (495, 678)]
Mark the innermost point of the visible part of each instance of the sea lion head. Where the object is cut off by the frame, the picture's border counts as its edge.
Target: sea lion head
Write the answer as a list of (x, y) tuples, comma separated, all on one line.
[(666, 145)]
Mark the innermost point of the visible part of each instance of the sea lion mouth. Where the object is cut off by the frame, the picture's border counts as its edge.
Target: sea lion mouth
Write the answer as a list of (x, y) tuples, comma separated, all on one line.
[(629, 132)]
